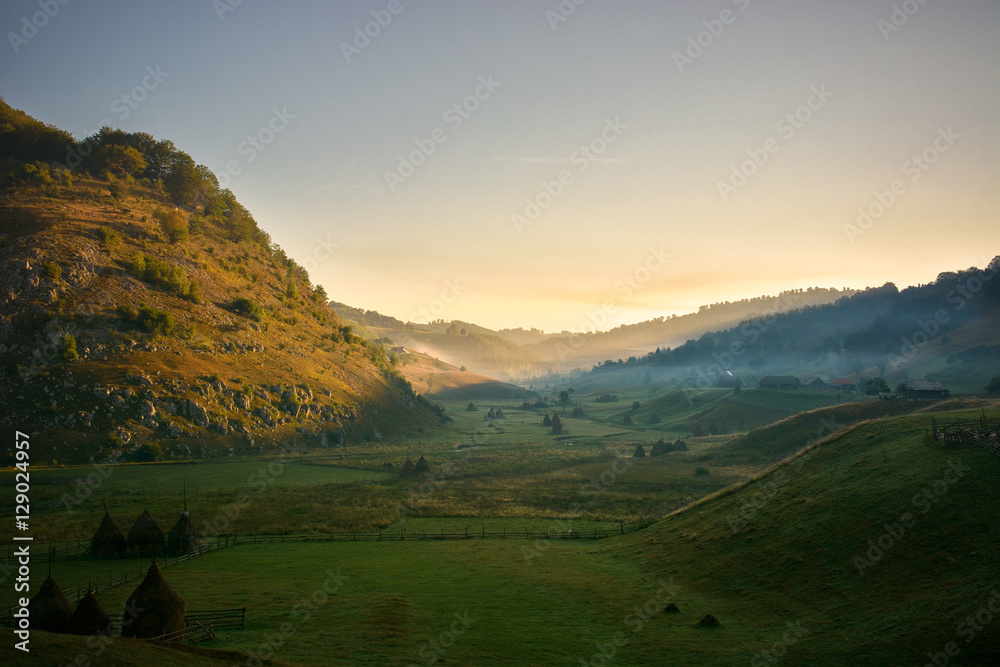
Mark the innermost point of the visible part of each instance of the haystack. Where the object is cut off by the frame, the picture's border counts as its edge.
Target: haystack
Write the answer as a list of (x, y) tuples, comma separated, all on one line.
[(491, 414), (183, 537), (409, 468), (109, 540), (154, 608), (49, 609), (499, 414), (677, 446), (671, 609), (471, 407), (422, 467), (709, 621), (89, 618), (557, 427), (146, 536), (639, 453), (627, 420), (547, 421)]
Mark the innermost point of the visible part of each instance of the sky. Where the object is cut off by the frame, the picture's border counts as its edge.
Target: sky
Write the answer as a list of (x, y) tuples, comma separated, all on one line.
[(570, 165)]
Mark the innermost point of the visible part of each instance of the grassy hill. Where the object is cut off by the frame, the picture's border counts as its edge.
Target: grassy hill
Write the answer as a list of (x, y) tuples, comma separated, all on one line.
[(436, 379), (819, 541), (143, 320)]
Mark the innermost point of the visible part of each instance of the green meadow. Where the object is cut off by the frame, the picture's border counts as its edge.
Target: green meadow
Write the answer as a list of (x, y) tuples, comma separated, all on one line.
[(793, 536)]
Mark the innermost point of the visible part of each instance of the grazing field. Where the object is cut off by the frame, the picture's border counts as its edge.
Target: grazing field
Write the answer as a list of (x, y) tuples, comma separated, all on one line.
[(810, 559)]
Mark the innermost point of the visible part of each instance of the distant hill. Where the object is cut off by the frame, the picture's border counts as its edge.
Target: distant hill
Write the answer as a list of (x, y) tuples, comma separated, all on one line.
[(436, 379), (456, 343), (566, 351), (516, 354), (945, 330), (144, 314)]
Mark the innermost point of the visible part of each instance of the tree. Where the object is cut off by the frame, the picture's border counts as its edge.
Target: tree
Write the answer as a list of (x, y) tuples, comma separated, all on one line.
[(173, 223), (874, 386), (564, 399), (123, 160), (994, 385)]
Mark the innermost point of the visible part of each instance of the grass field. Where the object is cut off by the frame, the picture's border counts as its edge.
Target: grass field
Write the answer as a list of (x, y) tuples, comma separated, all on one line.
[(775, 559)]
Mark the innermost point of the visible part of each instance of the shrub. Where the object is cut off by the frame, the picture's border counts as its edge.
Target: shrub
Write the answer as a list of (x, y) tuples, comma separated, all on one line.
[(68, 351), (248, 308), (127, 312), (167, 276), (156, 322), (52, 270), (108, 237)]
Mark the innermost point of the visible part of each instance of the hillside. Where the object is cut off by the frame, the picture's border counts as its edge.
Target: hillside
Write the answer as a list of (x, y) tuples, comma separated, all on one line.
[(944, 330), (436, 379), (145, 315), (516, 354), (455, 343), (878, 542), (566, 351)]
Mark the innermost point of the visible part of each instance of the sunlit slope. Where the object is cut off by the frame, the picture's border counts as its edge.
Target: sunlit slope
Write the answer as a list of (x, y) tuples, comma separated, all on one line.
[(878, 540)]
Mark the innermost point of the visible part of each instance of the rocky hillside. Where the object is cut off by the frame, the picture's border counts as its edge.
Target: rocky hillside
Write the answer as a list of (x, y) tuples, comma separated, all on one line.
[(141, 320)]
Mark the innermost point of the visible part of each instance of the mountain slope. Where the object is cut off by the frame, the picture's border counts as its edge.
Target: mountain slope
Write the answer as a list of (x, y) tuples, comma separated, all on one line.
[(147, 321), (877, 540)]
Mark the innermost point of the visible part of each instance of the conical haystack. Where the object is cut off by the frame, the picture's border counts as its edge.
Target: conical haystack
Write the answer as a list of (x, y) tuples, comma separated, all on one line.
[(547, 421), (409, 468), (89, 618), (183, 537), (109, 540), (49, 609), (639, 453), (422, 466), (146, 536), (153, 609)]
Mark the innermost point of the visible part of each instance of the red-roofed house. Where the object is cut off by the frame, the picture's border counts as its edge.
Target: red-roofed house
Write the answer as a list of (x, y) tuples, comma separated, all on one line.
[(843, 384)]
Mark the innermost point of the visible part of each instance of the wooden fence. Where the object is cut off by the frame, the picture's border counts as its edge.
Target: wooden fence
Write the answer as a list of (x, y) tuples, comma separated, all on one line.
[(980, 433)]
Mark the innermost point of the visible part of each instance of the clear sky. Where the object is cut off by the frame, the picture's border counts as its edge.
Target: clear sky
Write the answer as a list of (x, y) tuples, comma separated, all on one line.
[(677, 153)]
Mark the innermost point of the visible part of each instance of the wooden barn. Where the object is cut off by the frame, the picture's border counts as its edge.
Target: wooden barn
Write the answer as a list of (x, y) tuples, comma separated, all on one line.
[(923, 390), (779, 382)]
